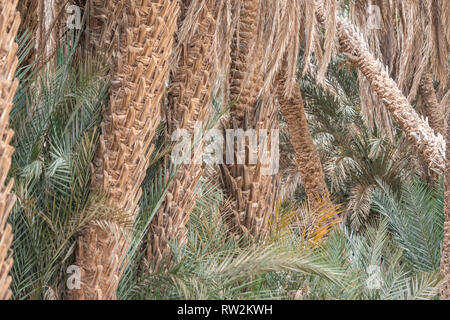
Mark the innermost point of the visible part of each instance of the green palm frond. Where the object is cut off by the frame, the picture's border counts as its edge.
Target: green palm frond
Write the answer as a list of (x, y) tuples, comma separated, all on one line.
[(355, 156), (417, 221), (214, 266), (376, 268), (56, 114)]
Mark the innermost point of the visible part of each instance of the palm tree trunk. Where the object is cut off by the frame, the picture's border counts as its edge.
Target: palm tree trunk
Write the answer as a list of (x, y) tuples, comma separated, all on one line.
[(141, 34), (189, 101), (308, 159), (431, 106), (28, 10), (445, 260), (47, 24), (45, 35), (253, 193), (428, 145), (9, 25)]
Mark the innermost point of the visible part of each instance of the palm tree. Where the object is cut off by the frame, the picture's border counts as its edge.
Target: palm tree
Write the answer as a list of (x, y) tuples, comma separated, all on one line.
[(56, 118), (414, 52), (308, 159), (140, 34), (252, 193), (87, 180), (189, 95), (9, 25), (431, 106), (355, 158), (429, 146)]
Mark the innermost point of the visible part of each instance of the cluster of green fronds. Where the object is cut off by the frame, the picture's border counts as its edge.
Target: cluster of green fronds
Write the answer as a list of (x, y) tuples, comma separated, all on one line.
[(56, 114), (396, 256), (212, 265), (378, 263), (355, 158), (416, 218)]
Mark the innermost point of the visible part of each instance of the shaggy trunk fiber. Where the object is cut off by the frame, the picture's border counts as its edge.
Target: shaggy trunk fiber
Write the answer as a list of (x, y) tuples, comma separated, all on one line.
[(46, 20), (189, 101), (431, 106), (45, 33), (428, 145), (445, 260), (141, 34), (308, 159), (252, 186), (29, 13), (9, 24)]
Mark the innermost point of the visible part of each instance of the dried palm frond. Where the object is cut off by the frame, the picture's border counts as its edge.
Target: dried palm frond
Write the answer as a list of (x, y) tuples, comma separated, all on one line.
[(408, 38), (429, 146), (359, 205), (285, 24), (281, 220), (314, 224)]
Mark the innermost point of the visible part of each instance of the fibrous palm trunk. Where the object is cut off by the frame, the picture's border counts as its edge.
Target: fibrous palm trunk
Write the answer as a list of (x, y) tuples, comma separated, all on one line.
[(189, 102), (431, 106), (308, 159), (253, 192), (445, 259), (45, 20), (140, 34), (428, 145), (46, 31), (411, 50), (29, 13), (9, 24)]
